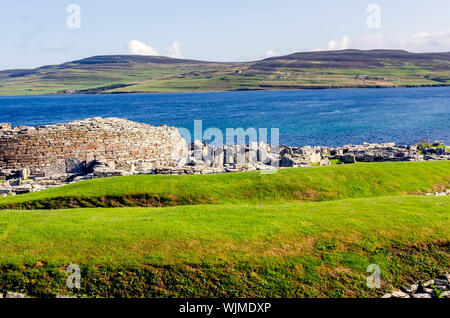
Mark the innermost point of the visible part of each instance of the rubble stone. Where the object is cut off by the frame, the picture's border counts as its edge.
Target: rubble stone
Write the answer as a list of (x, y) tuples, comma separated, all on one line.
[(399, 294), (421, 295), (429, 289), (411, 289), (14, 295)]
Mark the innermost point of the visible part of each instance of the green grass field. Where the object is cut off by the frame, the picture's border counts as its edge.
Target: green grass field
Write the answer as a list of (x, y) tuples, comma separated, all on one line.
[(317, 249), (312, 184), (307, 232)]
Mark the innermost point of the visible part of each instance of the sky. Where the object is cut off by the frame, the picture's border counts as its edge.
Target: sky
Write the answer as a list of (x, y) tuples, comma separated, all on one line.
[(44, 32)]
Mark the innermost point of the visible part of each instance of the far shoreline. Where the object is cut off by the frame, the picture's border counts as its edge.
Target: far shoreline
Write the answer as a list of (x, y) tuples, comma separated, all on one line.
[(237, 90)]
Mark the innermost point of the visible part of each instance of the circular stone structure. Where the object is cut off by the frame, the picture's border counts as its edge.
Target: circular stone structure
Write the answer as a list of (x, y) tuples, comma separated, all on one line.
[(71, 147)]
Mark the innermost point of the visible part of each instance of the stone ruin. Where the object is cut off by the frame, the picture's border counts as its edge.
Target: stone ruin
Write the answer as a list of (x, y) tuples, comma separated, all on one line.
[(32, 158), (262, 157), (73, 147), (35, 158)]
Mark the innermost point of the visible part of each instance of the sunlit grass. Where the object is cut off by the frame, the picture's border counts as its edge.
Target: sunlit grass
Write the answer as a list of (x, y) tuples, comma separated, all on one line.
[(311, 249), (217, 232), (311, 184)]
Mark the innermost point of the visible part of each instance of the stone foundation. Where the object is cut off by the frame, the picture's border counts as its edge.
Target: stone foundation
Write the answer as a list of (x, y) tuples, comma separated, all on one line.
[(36, 158)]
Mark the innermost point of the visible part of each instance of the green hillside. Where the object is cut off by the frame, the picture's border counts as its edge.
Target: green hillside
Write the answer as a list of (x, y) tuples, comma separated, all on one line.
[(328, 69), (306, 232), (316, 249), (295, 184)]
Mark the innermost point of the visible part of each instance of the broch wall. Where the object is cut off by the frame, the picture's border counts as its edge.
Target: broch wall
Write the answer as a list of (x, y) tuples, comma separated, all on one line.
[(72, 147)]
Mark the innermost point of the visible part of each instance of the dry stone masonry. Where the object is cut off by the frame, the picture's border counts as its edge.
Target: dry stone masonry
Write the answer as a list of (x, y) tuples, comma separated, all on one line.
[(434, 288), (36, 158), (69, 148), (55, 154)]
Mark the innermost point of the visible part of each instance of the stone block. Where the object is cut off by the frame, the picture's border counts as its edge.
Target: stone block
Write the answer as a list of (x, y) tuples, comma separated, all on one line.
[(324, 162), (219, 157), (75, 166), (349, 159), (55, 167), (240, 157), (14, 295), (5, 126), (286, 162), (24, 173), (229, 154)]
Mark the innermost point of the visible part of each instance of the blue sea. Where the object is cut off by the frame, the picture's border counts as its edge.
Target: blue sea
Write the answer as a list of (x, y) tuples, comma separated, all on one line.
[(304, 117)]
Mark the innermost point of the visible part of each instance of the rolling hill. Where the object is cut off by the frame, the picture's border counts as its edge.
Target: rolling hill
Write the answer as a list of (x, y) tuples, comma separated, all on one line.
[(325, 69), (302, 232)]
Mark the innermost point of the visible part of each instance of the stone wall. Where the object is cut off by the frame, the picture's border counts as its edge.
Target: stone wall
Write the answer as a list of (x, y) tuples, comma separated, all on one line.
[(72, 147)]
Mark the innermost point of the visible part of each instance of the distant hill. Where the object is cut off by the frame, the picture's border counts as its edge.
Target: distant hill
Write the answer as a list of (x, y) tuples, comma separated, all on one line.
[(360, 59), (323, 69)]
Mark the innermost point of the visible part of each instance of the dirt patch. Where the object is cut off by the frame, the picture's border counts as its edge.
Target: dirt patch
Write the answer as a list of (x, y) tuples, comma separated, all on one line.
[(437, 188), (136, 200)]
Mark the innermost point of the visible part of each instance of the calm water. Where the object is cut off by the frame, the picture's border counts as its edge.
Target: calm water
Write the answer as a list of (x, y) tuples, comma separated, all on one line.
[(314, 117)]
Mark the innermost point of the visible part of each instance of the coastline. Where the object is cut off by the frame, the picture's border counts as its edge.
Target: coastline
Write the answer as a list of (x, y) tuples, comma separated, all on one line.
[(277, 89)]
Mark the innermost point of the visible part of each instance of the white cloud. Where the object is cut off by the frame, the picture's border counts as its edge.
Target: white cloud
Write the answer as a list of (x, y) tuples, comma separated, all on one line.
[(263, 55), (417, 42), (339, 45), (139, 48), (175, 51), (270, 53)]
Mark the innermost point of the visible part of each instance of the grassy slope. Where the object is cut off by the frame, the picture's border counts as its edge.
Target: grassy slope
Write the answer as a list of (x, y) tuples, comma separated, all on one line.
[(318, 249), (301, 70), (211, 233), (259, 241), (314, 183)]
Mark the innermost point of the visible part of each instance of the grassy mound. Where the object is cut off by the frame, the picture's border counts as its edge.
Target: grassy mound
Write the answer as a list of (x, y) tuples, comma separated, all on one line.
[(315, 249), (311, 184)]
